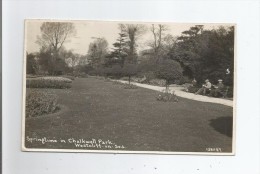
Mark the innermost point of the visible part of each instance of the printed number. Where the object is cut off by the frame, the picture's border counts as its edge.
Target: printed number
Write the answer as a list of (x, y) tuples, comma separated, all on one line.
[(214, 149)]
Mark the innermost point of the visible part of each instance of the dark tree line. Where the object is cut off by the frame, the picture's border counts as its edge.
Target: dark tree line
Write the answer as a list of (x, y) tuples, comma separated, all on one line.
[(206, 54)]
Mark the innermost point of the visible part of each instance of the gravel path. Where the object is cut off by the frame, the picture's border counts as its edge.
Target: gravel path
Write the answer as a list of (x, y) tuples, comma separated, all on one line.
[(179, 92)]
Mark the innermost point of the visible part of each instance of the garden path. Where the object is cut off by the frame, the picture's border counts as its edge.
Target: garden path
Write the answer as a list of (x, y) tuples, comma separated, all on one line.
[(179, 92)]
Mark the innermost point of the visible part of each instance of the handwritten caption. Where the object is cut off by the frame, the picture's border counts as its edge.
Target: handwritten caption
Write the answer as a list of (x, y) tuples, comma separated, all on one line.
[(78, 143)]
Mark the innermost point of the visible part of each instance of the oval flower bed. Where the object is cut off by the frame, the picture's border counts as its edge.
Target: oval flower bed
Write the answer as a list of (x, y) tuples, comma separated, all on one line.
[(40, 103), (48, 82)]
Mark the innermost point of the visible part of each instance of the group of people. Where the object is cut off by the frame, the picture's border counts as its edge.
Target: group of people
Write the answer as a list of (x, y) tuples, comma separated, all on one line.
[(212, 90)]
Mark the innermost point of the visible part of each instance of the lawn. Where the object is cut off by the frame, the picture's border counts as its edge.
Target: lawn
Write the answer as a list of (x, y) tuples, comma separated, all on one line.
[(132, 119)]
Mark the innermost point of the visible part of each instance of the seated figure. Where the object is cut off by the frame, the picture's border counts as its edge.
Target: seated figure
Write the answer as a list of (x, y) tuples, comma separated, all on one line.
[(205, 88), (218, 89)]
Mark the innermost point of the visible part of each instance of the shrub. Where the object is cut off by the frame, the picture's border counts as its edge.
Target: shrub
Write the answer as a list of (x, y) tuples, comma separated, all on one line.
[(193, 89), (114, 71), (40, 103), (157, 82), (48, 82), (149, 76), (183, 80), (169, 70), (129, 70)]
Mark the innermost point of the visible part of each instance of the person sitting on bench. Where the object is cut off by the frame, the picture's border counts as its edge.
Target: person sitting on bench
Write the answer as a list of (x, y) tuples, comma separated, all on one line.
[(205, 88), (218, 89)]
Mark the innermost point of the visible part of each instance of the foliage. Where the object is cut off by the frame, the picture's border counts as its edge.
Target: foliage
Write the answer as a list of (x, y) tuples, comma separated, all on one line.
[(48, 82), (119, 52), (114, 71), (129, 70), (133, 33), (97, 52), (51, 64), (54, 34), (206, 54), (168, 70), (157, 82), (193, 89), (31, 64), (52, 54), (167, 97), (40, 103)]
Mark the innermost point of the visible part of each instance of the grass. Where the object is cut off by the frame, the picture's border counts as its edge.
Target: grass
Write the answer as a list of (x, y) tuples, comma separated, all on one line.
[(133, 118)]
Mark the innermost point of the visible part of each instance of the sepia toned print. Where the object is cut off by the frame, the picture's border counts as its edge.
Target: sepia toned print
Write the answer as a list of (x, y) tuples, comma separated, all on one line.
[(129, 87)]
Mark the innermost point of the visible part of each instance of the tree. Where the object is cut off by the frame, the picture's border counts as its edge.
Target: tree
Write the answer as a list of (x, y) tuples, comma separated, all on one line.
[(129, 70), (54, 34), (119, 53), (206, 54), (97, 52), (114, 70), (133, 33), (52, 38), (31, 64), (158, 34), (169, 70)]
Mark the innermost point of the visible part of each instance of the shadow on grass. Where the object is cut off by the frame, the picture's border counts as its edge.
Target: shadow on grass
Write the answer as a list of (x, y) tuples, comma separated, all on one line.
[(223, 125)]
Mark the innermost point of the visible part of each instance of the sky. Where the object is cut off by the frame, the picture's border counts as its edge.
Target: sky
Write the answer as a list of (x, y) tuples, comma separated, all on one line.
[(86, 30)]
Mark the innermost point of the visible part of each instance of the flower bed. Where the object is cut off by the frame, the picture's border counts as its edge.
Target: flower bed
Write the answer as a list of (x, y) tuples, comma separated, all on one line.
[(167, 97), (117, 83), (129, 86), (40, 103), (69, 77), (48, 82)]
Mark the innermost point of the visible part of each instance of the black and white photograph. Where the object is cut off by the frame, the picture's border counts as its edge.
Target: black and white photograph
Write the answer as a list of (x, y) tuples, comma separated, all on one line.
[(129, 87)]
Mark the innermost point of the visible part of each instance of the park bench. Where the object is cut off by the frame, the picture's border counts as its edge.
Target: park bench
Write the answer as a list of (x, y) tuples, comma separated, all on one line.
[(224, 92)]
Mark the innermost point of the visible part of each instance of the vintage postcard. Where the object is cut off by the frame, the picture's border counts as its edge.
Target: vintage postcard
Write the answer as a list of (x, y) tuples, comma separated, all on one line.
[(129, 87)]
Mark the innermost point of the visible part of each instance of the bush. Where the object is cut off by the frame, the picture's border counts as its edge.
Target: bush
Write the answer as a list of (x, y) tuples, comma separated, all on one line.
[(157, 82), (193, 89), (183, 80), (40, 103), (48, 82), (149, 76), (169, 70), (114, 71)]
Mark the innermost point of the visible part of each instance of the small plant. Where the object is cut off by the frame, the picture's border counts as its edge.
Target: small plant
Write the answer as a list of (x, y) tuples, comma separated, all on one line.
[(166, 96), (117, 83), (40, 103)]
